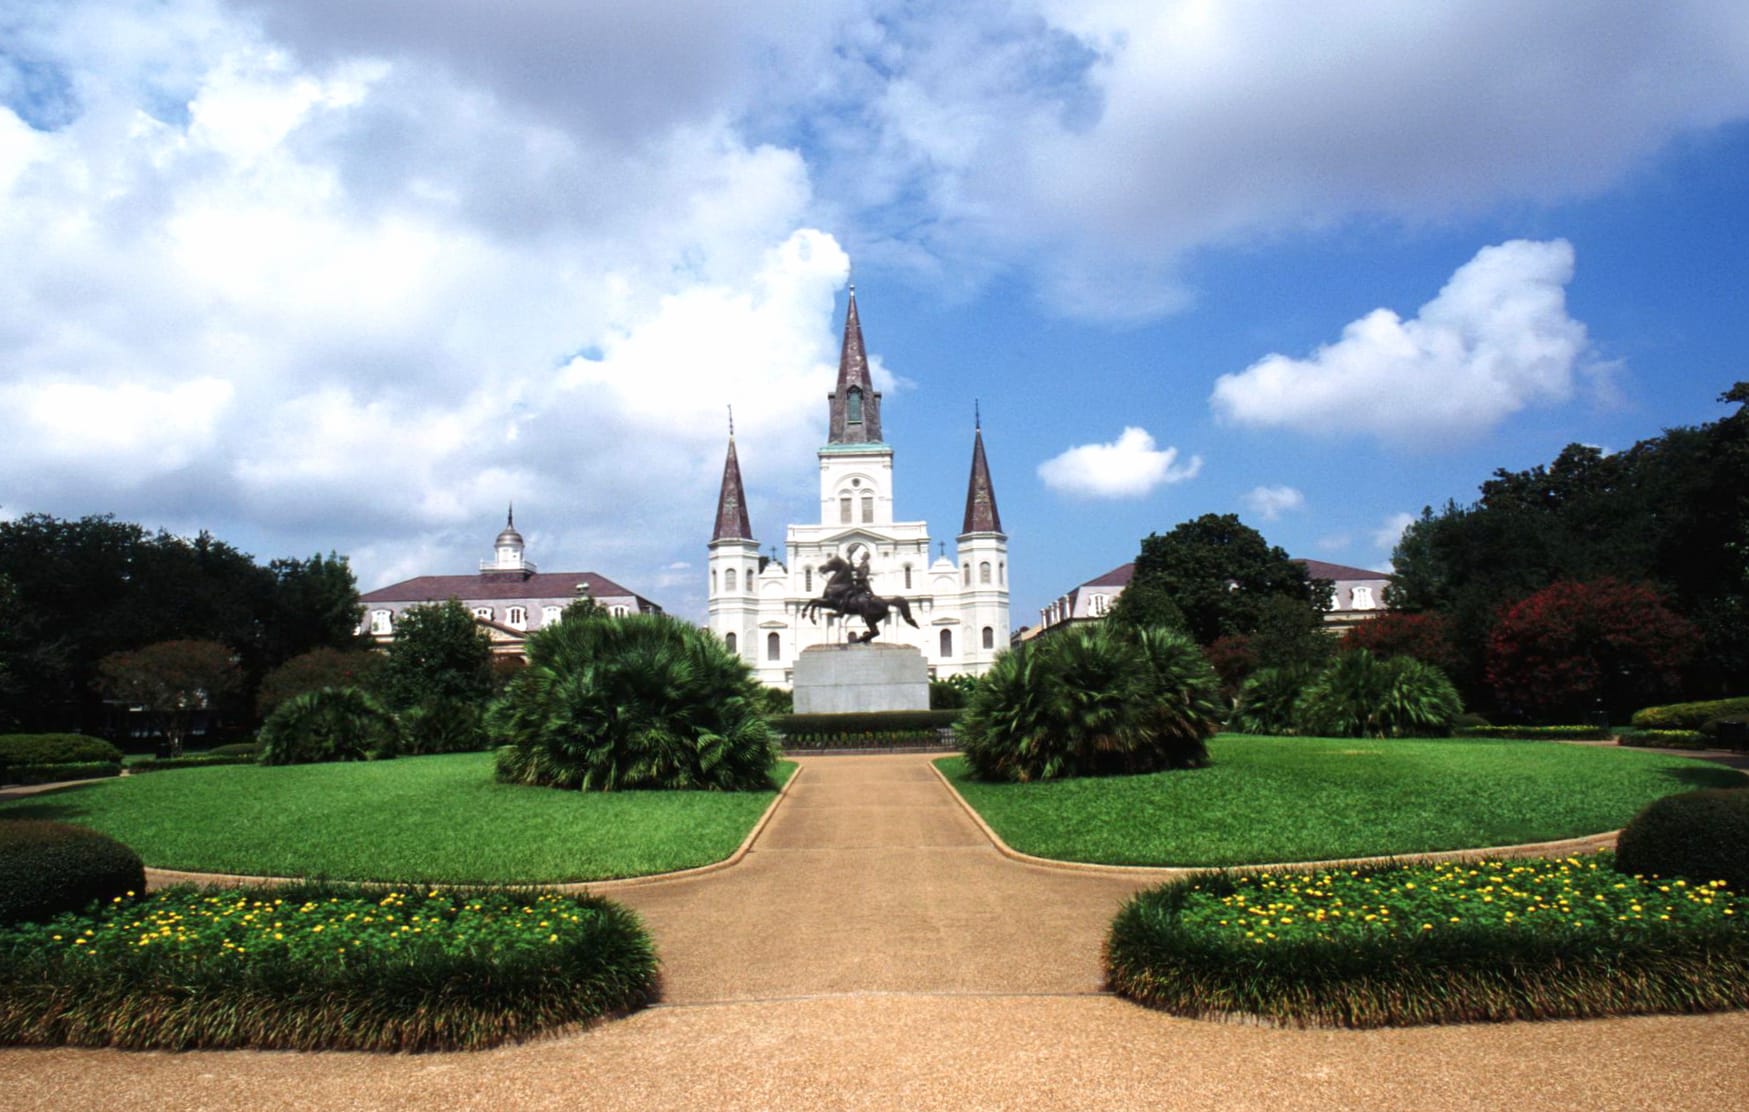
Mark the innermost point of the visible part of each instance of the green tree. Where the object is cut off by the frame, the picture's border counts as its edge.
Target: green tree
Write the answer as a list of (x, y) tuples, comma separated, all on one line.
[(172, 681), (1224, 579), (439, 652), (316, 669), (315, 606)]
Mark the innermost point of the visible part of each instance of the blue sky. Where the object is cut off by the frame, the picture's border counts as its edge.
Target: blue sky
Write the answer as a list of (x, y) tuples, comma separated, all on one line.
[(335, 275)]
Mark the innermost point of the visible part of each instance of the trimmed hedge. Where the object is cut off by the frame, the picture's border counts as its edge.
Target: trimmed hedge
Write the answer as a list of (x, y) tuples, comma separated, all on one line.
[(1663, 739), (1690, 716), (44, 749), (26, 775), (793, 725), (249, 749), (1701, 835), (199, 760), (1539, 733), (47, 868)]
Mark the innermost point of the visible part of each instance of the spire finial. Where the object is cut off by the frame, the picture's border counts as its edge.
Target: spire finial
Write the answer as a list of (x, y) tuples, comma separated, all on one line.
[(510, 517), (977, 417), (731, 422)]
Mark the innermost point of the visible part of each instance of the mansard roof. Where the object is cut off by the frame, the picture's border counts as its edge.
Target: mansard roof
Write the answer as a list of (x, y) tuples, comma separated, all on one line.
[(732, 522), (854, 420), (1319, 569), (981, 513)]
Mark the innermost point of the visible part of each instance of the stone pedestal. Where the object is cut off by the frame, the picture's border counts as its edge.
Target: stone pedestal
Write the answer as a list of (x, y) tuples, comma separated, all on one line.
[(846, 679)]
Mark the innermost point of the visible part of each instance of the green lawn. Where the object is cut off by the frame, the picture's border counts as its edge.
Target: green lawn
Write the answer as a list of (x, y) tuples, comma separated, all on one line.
[(416, 819), (1308, 799)]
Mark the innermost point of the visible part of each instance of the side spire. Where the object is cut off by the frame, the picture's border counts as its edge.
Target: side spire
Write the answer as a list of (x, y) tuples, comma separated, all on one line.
[(981, 513), (732, 523), (854, 404)]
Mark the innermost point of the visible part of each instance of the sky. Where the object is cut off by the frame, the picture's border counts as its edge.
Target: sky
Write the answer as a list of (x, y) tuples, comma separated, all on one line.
[(339, 275)]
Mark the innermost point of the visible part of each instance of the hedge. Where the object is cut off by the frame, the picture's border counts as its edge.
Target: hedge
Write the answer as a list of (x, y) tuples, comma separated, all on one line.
[(47, 868), (26, 775), (44, 749), (202, 760), (1538, 733), (1690, 716), (891, 729), (1664, 739)]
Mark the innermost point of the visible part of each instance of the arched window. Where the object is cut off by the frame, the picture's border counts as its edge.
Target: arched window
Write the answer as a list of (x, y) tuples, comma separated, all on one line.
[(729, 579), (808, 580), (549, 615), (853, 405), (946, 643), (382, 621), (713, 581), (966, 575), (517, 617), (483, 612), (844, 510), (989, 637), (984, 572), (773, 647), (907, 577), (729, 640), (1097, 605), (868, 507), (1002, 572)]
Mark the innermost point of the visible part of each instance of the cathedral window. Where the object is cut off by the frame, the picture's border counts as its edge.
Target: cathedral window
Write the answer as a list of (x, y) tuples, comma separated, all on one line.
[(729, 640), (1002, 572), (729, 583), (868, 507), (966, 575), (844, 510), (946, 643), (517, 617), (853, 405), (989, 637), (382, 622), (713, 581), (984, 572), (808, 580), (907, 577), (773, 647)]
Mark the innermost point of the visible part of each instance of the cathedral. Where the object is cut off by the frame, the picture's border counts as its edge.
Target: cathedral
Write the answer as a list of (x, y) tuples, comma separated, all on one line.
[(960, 604)]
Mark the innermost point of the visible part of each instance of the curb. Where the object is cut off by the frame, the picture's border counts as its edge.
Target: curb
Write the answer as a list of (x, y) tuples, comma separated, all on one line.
[(1589, 843)]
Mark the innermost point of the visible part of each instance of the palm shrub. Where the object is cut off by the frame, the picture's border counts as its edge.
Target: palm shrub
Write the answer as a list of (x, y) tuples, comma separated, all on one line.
[(443, 724), (331, 724), (1361, 695), (1266, 700), (645, 701), (1090, 701)]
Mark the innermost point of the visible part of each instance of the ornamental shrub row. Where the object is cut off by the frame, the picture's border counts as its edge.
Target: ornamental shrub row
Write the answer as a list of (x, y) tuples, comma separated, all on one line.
[(1356, 695), (47, 868), (25, 775), (1538, 733), (865, 722), (868, 739), (43, 749), (1690, 716)]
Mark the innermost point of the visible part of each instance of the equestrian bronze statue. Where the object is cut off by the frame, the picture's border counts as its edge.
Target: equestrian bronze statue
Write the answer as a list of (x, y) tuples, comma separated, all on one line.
[(848, 593)]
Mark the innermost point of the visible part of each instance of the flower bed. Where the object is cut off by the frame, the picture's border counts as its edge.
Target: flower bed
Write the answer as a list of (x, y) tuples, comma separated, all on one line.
[(1445, 943), (310, 967)]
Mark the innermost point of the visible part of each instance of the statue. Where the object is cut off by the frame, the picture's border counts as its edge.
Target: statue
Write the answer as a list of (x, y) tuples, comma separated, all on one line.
[(848, 592)]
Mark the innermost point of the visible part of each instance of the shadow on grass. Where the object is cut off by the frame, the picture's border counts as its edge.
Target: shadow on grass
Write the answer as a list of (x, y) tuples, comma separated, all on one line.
[(1707, 776)]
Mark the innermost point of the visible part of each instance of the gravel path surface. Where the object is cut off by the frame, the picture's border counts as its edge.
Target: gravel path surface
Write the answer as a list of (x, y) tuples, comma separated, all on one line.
[(873, 950)]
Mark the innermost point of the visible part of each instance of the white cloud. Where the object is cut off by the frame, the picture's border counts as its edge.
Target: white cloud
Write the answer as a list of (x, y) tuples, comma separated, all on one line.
[(1496, 340), (1270, 502), (1390, 531), (1128, 467)]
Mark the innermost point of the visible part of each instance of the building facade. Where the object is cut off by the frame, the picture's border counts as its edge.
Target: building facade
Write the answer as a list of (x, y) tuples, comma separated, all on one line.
[(1356, 595), (960, 602), (509, 598)]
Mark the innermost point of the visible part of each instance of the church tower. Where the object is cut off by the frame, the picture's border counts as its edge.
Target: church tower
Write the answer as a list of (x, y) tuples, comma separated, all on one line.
[(734, 560), (983, 554), (856, 466)]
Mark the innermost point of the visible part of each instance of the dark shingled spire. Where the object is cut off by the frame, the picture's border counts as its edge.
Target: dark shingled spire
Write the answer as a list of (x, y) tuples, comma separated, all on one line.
[(855, 407), (732, 521), (981, 513)]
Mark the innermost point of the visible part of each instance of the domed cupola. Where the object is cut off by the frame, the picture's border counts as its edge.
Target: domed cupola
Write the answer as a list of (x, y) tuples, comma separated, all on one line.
[(507, 548)]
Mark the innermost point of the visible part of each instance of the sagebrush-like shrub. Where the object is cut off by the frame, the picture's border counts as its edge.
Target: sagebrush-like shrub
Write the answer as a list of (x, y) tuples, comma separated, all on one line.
[(646, 701), (1266, 700), (35, 749), (47, 868), (333, 724), (1359, 695), (1689, 716), (1701, 835), (1091, 701)]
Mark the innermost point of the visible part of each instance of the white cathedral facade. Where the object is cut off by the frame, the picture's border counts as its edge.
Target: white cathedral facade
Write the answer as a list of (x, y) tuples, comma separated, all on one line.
[(960, 603)]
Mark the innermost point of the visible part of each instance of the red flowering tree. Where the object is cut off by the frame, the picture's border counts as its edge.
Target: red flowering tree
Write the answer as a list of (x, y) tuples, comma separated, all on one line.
[(1426, 637), (317, 669), (1573, 648), (171, 681)]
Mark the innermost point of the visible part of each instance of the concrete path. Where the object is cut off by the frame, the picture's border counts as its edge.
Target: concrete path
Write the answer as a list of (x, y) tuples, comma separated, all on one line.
[(874, 950)]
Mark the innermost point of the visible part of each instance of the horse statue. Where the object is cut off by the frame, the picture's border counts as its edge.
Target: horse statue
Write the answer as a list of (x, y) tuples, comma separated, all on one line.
[(847, 592)]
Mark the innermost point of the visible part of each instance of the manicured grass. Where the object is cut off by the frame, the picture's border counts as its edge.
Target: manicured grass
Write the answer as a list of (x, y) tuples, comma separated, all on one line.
[(416, 819), (1266, 800), (1445, 943), (321, 967)]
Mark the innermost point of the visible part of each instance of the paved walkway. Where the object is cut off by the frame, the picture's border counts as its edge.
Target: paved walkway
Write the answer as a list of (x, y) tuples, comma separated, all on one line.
[(874, 950)]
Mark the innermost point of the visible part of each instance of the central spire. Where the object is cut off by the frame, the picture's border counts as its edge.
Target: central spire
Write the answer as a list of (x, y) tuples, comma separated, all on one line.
[(855, 406)]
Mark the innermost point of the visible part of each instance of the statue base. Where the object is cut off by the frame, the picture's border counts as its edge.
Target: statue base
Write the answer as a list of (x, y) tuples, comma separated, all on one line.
[(854, 678)]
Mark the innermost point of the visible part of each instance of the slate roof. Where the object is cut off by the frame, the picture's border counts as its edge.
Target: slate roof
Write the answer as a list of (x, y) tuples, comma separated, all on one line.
[(853, 372), (1319, 569), (981, 513), (503, 585), (732, 522)]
